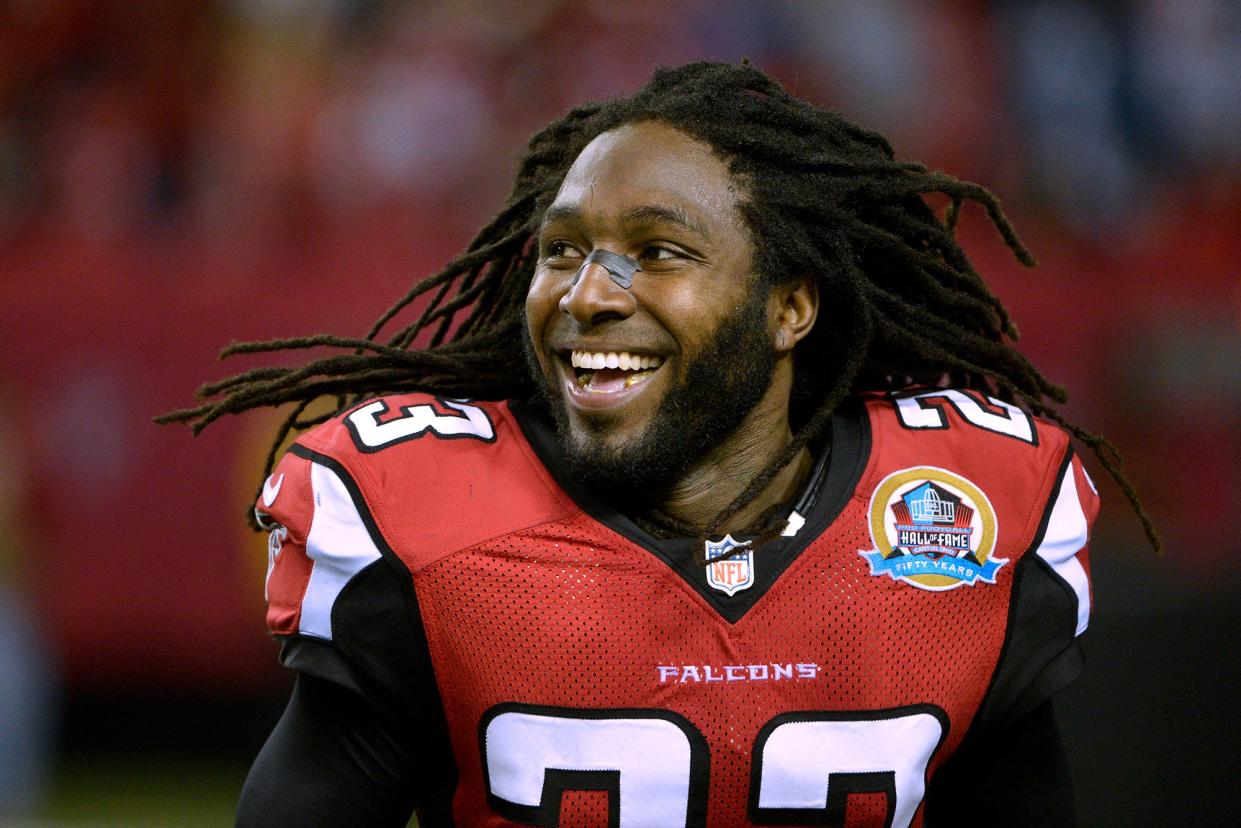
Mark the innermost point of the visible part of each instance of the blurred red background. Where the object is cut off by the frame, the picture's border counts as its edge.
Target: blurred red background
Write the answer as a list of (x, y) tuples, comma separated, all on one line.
[(177, 175)]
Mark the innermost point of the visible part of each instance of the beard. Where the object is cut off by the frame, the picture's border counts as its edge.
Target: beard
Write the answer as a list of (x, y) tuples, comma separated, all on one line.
[(721, 386)]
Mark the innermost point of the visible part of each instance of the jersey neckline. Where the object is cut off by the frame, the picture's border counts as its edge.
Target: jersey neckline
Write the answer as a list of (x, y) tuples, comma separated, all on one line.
[(848, 439)]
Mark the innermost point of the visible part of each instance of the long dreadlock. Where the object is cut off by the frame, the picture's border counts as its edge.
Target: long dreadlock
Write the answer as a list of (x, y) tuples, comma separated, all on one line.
[(907, 305)]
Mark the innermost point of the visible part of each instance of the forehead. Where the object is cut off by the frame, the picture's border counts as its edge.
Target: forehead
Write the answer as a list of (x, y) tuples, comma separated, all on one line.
[(650, 164)]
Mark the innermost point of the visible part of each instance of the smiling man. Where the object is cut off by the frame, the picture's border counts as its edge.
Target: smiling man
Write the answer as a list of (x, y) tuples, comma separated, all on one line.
[(727, 502), (704, 407)]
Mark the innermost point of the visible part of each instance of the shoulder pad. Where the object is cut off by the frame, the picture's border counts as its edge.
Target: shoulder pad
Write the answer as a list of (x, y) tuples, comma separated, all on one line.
[(1017, 462), (431, 475), (316, 544)]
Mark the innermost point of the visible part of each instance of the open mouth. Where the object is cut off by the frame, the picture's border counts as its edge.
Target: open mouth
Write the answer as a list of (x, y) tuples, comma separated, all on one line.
[(607, 372)]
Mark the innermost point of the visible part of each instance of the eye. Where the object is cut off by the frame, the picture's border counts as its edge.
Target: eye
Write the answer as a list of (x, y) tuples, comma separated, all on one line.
[(660, 253), (560, 250)]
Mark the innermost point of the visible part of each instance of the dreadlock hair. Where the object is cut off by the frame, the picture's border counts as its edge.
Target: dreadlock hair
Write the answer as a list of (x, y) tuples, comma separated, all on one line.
[(907, 306)]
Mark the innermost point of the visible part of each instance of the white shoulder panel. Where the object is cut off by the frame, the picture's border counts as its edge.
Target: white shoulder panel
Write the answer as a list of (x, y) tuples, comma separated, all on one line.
[(1066, 535), (338, 546)]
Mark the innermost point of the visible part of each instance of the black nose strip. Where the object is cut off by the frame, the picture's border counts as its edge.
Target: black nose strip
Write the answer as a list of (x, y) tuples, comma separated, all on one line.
[(620, 268)]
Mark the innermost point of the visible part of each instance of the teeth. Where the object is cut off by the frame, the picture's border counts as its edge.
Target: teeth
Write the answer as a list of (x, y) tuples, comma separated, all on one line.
[(595, 360)]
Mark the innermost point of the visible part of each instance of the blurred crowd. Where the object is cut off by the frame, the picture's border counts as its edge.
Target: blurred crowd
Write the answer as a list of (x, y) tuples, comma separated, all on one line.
[(239, 119), (177, 173)]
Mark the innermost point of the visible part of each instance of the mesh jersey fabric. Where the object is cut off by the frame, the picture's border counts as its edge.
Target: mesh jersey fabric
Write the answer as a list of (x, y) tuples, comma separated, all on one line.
[(586, 674)]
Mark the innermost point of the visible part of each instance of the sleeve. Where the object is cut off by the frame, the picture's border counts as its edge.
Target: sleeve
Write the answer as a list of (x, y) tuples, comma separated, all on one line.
[(1050, 604), (342, 606), (331, 760), (1012, 760), (1016, 776)]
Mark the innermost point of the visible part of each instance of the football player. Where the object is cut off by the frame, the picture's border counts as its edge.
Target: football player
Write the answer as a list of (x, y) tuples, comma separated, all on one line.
[(717, 496)]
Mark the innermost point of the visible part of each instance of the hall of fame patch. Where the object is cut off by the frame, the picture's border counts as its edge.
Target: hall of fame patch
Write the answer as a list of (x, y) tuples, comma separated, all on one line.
[(932, 529)]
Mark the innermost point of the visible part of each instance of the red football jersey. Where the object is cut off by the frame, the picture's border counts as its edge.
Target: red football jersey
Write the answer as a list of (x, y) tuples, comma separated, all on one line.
[(933, 580)]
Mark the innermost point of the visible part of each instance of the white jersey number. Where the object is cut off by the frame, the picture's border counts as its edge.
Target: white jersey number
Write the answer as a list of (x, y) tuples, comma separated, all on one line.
[(654, 763), (924, 410), (808, 763), (460, 420)]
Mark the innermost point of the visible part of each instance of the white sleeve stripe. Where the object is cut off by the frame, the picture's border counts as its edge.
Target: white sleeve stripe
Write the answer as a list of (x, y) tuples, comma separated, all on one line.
[(1089, 481), (339, 547), (1067, 533)]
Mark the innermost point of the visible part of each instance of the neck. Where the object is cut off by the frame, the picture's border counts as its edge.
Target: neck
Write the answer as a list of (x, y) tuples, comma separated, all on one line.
[(727, 469)]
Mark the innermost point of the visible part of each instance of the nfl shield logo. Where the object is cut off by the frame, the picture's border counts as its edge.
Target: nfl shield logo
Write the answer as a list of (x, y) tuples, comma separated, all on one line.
[(735, 572)]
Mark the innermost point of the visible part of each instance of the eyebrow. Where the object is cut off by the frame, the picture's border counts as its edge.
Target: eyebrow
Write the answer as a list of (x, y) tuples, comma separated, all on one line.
[(643, 214)]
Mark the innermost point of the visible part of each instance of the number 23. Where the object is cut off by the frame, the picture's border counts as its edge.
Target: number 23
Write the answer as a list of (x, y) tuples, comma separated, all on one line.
[(654, 763)]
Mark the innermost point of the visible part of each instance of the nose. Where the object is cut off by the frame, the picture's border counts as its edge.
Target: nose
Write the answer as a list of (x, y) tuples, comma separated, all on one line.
[(594, 297)]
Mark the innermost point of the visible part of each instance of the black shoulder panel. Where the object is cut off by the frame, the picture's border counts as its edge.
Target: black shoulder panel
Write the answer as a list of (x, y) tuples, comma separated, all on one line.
[(1041, 652), (377, 627)]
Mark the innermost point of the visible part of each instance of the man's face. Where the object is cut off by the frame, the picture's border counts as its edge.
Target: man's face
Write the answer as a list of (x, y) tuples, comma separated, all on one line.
[(687, 350)]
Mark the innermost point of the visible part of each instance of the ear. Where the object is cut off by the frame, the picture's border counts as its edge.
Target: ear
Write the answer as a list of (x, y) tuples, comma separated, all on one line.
[(796, 305)]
